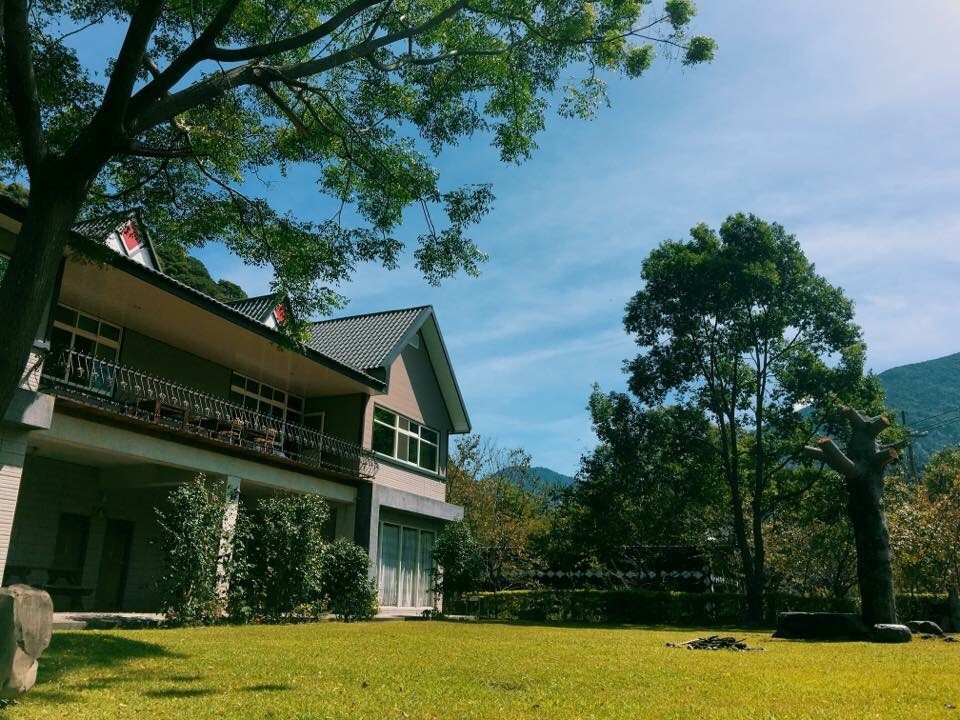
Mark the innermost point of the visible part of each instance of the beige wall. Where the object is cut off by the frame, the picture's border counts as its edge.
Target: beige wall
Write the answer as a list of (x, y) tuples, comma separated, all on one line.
[(13, 446), (413, 392)]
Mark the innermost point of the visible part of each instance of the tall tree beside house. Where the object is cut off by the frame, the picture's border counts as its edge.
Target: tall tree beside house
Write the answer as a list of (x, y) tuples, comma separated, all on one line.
[(738, 324), (199, 99)]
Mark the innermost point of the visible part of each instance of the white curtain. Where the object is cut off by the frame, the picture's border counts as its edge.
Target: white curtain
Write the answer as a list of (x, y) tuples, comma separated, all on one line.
[(426, 568), (408, 567), (389, 564)]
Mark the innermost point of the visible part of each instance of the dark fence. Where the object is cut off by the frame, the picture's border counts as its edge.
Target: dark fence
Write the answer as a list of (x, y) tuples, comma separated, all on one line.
[(127, 391)]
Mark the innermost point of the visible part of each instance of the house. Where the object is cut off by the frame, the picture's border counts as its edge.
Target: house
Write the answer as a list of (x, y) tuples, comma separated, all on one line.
[(138, 383)]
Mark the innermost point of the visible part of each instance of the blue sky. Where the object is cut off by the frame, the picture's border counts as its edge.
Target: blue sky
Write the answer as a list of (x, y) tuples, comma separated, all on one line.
[(836, 119)]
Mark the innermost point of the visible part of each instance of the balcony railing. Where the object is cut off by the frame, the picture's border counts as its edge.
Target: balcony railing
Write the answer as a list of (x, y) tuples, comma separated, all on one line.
[(116, 388)]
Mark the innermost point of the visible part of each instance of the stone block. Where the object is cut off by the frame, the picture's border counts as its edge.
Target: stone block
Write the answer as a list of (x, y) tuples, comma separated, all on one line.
[(889, 633), (26, 623), (820, 626)]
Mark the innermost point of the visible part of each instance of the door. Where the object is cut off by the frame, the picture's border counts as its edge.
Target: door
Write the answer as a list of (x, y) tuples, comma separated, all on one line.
[(114, 562)]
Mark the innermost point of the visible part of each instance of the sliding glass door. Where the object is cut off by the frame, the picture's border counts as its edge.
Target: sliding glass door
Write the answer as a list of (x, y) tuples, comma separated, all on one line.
[(406, 565)]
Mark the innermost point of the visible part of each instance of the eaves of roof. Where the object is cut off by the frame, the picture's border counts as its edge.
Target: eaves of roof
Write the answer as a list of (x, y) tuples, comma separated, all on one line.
[(17, 211)]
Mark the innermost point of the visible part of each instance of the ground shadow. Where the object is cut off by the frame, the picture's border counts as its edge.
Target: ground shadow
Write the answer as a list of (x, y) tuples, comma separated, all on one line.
[(73, 651)]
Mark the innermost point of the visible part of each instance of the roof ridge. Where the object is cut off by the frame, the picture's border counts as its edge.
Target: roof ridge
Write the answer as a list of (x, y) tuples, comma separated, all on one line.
[(418, 308)]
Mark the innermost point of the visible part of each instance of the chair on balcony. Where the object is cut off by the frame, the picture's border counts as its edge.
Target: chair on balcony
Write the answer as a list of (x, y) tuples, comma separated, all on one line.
[(265, 440), (233, 431)]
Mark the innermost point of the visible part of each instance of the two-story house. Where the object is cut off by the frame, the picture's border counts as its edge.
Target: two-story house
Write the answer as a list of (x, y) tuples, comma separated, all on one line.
[(139, 383)]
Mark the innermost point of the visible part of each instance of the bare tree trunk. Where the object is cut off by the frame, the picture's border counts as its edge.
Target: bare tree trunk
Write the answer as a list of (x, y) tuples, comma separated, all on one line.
[(862, 466), (28, 285)]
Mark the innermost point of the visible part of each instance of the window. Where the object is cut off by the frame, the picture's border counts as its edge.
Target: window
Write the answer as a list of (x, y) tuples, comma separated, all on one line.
[(265, 399), (82, 350), (405, 440)]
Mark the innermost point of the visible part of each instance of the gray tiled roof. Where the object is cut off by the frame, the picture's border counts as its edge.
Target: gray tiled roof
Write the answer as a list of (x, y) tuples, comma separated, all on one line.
[(98, 228), (255, 307), (363, 342)]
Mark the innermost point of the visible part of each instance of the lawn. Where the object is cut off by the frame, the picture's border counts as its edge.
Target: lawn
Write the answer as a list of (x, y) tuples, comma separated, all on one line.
[(476, 670)]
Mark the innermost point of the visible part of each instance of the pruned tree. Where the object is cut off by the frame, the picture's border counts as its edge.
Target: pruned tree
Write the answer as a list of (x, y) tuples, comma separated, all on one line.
[(862, 465), (200, 98)]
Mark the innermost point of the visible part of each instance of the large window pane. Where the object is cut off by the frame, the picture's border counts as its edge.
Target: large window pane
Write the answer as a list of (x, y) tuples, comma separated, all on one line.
[(428, 457), (383, 439)]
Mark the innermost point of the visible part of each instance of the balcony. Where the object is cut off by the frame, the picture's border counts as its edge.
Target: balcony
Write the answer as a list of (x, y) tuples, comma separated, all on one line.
[(126, 392)]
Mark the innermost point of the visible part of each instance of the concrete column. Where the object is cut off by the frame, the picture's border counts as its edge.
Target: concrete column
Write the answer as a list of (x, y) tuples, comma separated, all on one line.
[(13, 450), (226, 535)]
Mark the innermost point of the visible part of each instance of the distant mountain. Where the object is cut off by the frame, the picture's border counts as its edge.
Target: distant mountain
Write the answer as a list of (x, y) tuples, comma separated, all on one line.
[(929, 393), (552, 476), (547, 475)]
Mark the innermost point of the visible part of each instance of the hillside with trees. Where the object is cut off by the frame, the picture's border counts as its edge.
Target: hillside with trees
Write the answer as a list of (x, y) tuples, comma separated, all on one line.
[(929, 393)]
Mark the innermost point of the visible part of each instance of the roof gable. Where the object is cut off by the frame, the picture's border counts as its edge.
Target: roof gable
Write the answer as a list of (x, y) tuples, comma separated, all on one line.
[(367, 342), (124, 233), (371, 343)]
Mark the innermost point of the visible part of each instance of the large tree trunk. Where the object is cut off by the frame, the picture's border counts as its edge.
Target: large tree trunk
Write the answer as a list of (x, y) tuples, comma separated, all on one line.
[(862, 466), (874, 563), (56, 195)]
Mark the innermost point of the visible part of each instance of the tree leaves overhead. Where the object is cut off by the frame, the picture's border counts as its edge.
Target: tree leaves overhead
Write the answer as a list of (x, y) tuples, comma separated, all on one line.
[(364, 92)]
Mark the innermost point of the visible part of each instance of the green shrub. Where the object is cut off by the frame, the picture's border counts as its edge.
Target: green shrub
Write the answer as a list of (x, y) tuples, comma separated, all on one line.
[(457, 555), (346, 583), (278, 550), (647, 607), (190, 527)]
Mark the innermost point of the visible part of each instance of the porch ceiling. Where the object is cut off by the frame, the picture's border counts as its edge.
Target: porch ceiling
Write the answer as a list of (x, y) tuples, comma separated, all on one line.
[(131, 302)]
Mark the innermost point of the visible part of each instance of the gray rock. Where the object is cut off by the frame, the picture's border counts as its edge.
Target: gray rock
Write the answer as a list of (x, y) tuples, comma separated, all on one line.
[(820, 626), (889, 633), (26, 622), (928, 627)]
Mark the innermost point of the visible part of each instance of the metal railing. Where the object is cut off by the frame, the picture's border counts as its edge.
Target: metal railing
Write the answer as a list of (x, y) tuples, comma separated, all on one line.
[(126, 391)]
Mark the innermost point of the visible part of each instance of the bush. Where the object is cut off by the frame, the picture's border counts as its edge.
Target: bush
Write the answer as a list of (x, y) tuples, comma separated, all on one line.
[(458, 557), (346, 583), (647, 607), (191, 524), (278, 550)]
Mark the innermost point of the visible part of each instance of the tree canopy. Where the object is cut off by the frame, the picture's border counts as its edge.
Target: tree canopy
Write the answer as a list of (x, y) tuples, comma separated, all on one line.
[(199, 100), (739, 324)]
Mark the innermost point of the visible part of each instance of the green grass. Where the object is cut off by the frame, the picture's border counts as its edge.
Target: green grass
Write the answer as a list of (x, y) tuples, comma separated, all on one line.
[(465, 670)]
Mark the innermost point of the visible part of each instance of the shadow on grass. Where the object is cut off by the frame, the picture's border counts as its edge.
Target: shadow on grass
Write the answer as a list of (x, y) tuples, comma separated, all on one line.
[(179, 693), (70, 652)]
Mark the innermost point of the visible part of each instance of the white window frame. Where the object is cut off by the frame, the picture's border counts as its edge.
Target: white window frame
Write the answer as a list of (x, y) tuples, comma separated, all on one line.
[(411, 437), (97, 338), (261, 399)]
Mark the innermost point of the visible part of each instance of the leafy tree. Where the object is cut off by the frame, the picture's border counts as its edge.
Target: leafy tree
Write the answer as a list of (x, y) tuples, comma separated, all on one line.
[(199, 97), (925, 529), (810, 546), (457, 555), (651, 480), (506, 506), (738, 324), (191, 525)]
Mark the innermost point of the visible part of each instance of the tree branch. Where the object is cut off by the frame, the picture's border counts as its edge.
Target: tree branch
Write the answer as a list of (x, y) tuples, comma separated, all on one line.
[(260, 52), (827, 451), (186, 60), (206, 90), (16, 54), (116, 99), (139, 149)]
